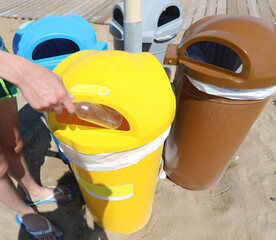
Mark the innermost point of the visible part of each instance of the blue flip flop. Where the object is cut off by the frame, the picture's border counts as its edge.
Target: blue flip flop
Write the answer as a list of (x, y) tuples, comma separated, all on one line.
[(33, 234), (49, 199)]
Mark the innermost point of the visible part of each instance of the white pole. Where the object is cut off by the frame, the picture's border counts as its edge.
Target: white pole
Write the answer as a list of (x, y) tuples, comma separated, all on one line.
[(133, 26)]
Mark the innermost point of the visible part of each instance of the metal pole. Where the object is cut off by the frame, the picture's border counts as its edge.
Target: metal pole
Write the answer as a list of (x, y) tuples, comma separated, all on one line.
[(133, 26)]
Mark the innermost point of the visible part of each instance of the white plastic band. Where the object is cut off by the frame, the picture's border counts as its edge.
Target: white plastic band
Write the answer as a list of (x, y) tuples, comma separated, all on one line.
[(231, 93), (111, 161)]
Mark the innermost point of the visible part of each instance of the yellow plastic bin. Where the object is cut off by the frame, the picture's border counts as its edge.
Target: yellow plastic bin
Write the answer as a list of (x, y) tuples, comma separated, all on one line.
[(116, 169)]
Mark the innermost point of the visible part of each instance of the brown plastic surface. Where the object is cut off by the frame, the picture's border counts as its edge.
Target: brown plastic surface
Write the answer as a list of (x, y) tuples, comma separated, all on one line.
[(205, 135), (171, 57), (253, 39)]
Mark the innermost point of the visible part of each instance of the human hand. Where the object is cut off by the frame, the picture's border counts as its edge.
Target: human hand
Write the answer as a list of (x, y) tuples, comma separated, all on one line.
[(43, 89)]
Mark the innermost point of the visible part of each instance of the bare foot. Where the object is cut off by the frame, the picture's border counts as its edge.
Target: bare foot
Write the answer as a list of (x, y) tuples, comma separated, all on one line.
[(38, 226), (60, 194)]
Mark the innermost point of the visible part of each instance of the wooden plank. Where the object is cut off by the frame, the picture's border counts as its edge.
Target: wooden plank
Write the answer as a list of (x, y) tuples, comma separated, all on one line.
[(242, 7), (106, 13), (99, 11), (44, 8), (273, 8), (31, 11), (253, 8), (11, 6), (21, 8), (266, 11), (91, 11), (78, 9), (211, 8), (221, 7), (189, 13), (7, 5), (70, 7), (200, 10), (232, 7)]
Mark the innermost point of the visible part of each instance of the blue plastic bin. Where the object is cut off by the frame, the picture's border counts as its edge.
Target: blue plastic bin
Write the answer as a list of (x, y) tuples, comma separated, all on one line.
[(48, 40)]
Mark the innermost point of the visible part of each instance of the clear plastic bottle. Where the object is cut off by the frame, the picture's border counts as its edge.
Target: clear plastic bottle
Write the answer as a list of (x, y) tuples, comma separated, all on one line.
[(98, 114)]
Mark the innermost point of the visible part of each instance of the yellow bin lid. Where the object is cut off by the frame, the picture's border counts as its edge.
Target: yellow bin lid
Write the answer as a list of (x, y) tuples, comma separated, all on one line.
[(135, 85)]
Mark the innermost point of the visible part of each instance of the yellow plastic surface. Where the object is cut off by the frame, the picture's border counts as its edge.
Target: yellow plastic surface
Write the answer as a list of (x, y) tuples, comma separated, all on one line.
[(113, 193), (135, 85), (121, 200)]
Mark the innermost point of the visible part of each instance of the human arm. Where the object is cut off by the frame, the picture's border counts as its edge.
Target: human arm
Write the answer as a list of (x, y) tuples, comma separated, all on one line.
[(43, 89)]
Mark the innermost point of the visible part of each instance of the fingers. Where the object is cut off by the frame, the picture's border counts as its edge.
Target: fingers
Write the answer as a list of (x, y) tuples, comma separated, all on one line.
[(48, 109), (40, 110), (67, 102), (61, 99), (69, 105), (57, 109), (69, 95)]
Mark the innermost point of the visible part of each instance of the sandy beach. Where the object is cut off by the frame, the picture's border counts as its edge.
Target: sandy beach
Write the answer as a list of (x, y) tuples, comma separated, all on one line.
[(242, 206)]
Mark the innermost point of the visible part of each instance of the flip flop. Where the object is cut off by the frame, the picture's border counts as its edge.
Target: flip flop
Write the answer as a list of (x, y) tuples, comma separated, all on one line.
[(33, 234), (50, 198)]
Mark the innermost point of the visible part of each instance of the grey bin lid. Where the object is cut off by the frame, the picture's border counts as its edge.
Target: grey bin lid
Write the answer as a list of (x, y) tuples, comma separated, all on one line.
[(161, 20)]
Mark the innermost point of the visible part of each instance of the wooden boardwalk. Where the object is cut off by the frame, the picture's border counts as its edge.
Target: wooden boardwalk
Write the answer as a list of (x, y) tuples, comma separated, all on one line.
[(100, 11), (197, 9)]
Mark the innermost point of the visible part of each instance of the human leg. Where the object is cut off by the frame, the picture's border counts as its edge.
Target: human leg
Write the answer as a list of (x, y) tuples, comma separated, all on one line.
[(11, 144), (13, 163), (11, 197)]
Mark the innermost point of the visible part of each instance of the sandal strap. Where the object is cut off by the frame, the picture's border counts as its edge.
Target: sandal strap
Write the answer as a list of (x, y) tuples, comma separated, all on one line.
[(52, 195), (59, 190)]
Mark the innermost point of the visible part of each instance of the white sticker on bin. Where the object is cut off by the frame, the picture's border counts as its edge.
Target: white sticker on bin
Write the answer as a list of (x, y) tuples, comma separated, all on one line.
[(111, 161), (231, 93)]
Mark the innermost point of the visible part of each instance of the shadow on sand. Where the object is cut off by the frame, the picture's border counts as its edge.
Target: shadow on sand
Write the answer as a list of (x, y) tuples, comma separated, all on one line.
[(70, 217)]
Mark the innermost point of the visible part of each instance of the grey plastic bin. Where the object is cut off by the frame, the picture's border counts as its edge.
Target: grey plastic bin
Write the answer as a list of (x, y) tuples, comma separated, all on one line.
[(161, 21)]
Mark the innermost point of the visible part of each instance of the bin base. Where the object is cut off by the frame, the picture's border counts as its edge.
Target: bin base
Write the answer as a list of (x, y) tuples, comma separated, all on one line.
[(205, 135), (185, 184), (120, 201)]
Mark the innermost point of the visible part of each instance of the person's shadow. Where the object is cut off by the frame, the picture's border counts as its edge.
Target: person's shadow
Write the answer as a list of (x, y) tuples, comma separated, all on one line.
[(70, 217)]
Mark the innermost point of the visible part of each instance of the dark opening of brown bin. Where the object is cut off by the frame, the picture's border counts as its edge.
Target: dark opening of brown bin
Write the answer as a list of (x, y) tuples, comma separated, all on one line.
[(214, 53)]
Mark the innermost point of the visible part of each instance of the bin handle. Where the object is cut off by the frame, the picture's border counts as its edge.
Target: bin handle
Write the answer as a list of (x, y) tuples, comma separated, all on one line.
[(166, 38), (213, 74), (171, 55)]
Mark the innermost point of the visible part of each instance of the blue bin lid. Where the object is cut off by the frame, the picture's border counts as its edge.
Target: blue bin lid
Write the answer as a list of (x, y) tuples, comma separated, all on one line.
[(41, 41)]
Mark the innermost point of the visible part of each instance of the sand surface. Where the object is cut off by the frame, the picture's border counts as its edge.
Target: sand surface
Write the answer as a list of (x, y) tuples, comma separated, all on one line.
[(241, 206)]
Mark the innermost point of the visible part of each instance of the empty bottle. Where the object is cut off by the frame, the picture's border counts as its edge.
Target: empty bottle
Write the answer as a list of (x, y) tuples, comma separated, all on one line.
[(98, 114)]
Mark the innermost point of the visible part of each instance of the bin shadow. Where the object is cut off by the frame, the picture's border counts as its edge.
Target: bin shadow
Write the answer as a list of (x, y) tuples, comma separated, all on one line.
[(71, 217)]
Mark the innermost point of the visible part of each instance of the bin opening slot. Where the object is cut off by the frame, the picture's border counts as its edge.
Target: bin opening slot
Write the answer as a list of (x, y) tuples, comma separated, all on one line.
[(54, 47), (216, 54), (169, 14), (67, 119), (118, 16)]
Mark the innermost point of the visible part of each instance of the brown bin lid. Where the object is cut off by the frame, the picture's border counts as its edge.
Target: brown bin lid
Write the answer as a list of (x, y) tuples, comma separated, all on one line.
[(253, 39)]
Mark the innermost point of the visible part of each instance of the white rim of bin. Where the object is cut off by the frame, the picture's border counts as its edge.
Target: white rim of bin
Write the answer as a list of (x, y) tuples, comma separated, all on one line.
[(231, 93), (112, 161)]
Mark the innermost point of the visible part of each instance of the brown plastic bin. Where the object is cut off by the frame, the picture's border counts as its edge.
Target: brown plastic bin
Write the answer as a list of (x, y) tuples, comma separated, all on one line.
[(208, 130)]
